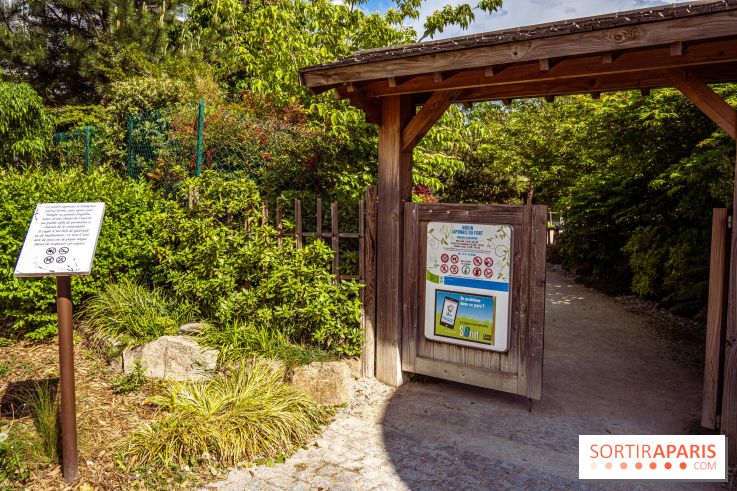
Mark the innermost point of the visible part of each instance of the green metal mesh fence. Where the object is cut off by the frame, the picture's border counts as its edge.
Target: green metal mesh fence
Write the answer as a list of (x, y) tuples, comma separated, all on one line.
[(75, 147), (184, 140)]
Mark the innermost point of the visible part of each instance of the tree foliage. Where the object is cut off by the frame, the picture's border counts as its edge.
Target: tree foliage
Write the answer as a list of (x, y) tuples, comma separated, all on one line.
[(24, 125), (67, 49)]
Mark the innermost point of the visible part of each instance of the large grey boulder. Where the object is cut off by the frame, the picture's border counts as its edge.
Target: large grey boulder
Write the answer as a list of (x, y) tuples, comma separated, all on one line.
[(327, 383), (172, 358)]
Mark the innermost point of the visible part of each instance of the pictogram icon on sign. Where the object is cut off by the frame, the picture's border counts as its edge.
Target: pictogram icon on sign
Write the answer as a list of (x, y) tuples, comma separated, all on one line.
[(61, 259), (51, 250), (466, 269), (488, 273), (454, 269), (488, 262), (63, 250), (444, 258), (477, 261), (454, 259), (477, 272), (48, 260), (443, 268)]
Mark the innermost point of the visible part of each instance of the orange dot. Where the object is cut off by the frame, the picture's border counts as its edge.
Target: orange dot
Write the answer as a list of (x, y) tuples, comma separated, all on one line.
[(653, 465), (668, 465), (608, 465), (683, 465), (593, 465), (638, 465), (623, 465)]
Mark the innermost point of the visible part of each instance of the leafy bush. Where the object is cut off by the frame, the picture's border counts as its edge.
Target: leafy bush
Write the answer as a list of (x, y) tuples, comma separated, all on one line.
[(24, 127), (125, 248), (133, 314), (247, 413), (216, 256)]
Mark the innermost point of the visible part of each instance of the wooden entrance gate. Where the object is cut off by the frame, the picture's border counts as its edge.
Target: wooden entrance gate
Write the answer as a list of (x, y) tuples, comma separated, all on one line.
[(518, 370)]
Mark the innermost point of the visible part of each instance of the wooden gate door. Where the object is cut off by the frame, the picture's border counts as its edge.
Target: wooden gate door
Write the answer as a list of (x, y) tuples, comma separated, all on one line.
[(503, 347)]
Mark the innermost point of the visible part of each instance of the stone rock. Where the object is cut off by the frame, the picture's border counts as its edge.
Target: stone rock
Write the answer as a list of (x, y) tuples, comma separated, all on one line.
[(172, 358), (354, 365), (327, 383), (192, 328)]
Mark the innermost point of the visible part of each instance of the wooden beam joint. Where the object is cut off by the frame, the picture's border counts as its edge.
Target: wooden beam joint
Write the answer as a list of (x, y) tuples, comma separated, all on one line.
[(703, 97), (431, 111)]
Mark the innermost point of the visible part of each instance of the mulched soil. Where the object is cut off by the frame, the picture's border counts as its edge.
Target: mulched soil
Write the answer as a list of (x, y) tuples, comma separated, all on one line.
[(104, 419)]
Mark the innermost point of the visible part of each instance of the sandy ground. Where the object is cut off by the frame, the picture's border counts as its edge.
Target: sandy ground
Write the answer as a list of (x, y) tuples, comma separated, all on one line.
[(607, 369)]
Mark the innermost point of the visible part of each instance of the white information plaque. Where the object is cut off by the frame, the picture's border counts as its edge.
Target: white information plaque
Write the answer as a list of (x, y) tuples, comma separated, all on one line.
[(61, 240)]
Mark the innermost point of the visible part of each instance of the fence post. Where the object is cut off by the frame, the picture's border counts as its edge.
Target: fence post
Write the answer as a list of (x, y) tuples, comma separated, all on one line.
[(86, 148), (131, 172), (200, 128)]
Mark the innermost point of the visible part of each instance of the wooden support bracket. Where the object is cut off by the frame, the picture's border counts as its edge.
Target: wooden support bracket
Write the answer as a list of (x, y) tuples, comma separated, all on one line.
[(705, 99), (431, 111)]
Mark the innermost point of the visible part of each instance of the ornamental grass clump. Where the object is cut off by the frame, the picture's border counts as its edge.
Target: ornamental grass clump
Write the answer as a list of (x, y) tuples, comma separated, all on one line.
[(246, 413), (133, 314)]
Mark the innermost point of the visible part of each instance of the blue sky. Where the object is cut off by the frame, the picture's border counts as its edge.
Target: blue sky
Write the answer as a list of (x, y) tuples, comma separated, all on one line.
[(516, 13)]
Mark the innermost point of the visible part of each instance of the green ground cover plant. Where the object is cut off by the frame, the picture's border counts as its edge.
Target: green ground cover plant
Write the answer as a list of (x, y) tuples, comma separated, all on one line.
[(242, 414)]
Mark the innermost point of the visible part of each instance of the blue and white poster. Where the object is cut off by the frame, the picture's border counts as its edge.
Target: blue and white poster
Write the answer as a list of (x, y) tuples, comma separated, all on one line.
[(468, 277)]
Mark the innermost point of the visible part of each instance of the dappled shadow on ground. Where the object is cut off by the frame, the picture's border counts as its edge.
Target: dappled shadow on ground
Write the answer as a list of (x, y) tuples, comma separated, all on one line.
[(606, 371), (14, 401)]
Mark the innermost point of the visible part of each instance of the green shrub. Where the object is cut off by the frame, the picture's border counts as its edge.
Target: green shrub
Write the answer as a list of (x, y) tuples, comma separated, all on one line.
[(125, 248), (247, 413), (234, 272), (133, 314), (25, 131)]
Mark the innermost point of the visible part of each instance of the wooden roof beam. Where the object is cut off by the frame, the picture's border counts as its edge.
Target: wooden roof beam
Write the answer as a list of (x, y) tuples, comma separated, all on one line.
[(676, 49), (705, 99), (421, 123), (712, 52), (642, 36)]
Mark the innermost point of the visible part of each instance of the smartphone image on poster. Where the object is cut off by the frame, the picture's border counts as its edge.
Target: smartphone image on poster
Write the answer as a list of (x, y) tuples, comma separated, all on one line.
[(450, 310)]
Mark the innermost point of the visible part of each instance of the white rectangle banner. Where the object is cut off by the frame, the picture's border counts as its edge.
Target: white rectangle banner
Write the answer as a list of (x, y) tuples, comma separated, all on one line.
[(645, 457)]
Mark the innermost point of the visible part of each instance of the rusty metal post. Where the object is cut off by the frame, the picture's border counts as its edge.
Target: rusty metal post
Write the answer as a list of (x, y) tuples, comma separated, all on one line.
[(66, 364)]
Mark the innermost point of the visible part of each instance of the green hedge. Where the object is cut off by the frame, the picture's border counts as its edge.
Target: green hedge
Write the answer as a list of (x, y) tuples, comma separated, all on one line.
[(125, 248)]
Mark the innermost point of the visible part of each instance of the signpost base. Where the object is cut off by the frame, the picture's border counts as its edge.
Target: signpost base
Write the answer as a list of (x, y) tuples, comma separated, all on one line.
[(66, 364)]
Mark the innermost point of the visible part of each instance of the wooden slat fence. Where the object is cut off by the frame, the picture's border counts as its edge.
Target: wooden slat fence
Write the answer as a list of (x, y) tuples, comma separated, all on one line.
[(366, 268)]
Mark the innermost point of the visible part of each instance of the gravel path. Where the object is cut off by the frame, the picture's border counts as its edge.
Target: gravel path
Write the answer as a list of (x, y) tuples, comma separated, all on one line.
[(607, 370)]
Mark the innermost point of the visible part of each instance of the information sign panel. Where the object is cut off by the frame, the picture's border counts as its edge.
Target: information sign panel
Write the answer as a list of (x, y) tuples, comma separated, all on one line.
[(61, 240), (468, 277)]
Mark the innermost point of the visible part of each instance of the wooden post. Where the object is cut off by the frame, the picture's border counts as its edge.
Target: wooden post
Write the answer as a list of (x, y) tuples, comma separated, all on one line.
[(265, 213), (318, 225), (395, 186), (715, 319), (368, 359), (279, 227), (298, 223), (335, 242), (729, 389)]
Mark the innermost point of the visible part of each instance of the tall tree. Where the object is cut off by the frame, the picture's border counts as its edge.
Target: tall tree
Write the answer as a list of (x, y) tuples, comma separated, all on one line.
[(68, 48)]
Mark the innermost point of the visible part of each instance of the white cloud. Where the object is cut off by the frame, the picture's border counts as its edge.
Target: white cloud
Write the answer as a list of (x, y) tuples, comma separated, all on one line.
[(517, 13)]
